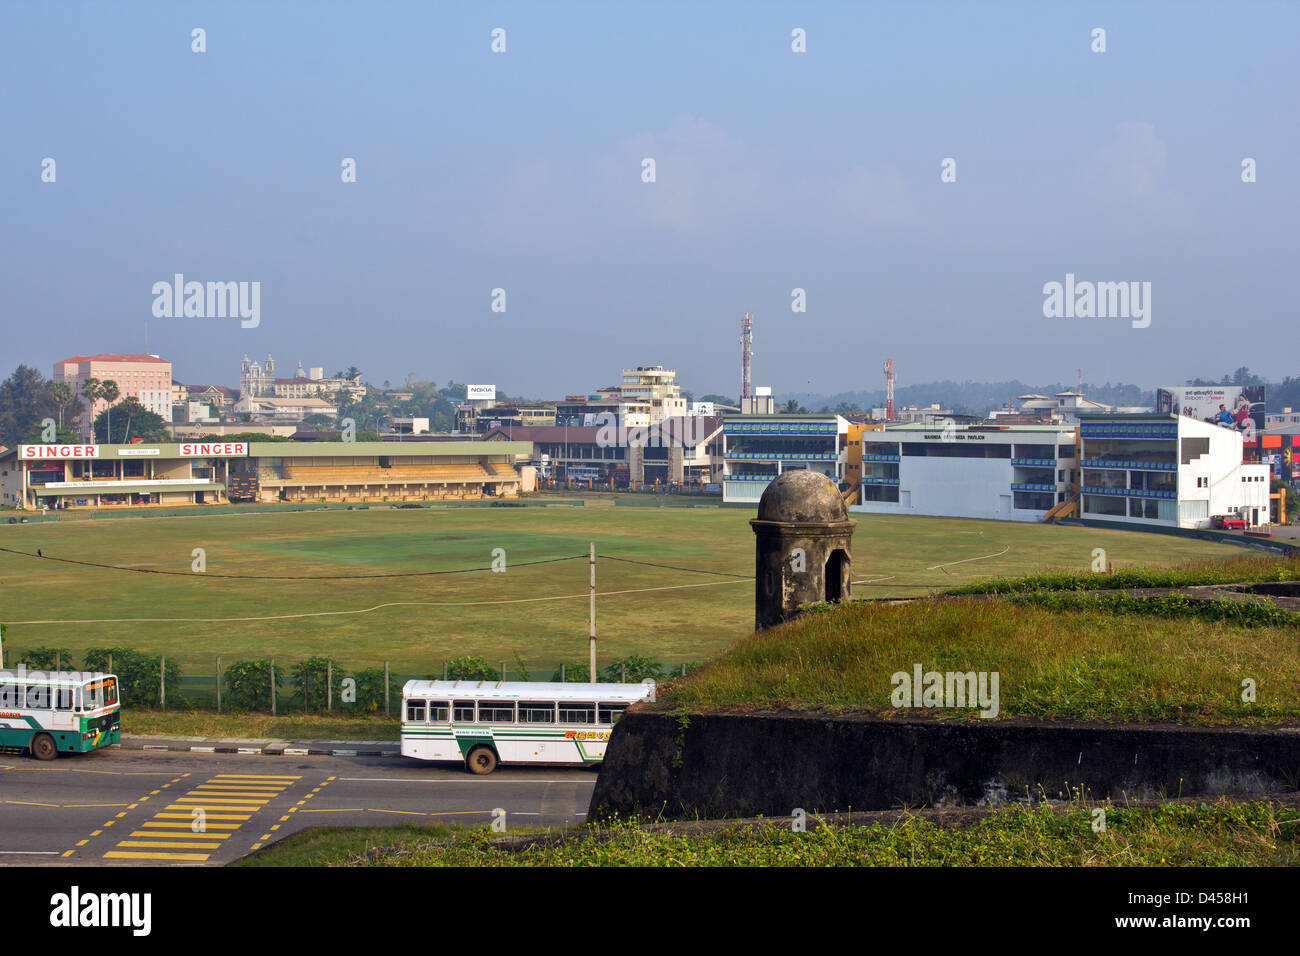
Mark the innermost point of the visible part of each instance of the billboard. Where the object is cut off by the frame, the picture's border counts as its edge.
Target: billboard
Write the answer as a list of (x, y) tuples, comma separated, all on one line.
[(58, 451), (480, 393), (1233, 406)]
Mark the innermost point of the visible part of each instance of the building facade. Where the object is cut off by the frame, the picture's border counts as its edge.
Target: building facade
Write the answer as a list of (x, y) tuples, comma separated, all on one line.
[(1168, 470), (757, 448), (147, 378), (657, 386), (216, 472), (1012, 473)]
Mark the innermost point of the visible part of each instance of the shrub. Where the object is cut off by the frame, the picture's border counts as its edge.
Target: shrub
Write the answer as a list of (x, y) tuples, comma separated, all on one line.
[(248, 683), (574, 673), (471, 668), (633, 669), (137, 674), (308, 681), (370, 691), (43, 658)]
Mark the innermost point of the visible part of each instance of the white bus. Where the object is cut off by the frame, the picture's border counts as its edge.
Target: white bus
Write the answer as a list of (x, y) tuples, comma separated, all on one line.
[(51, 712), (483, 723)]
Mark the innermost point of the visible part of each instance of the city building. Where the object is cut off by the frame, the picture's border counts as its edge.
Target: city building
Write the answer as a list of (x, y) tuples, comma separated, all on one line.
[(1167, 470), (760, 403), (594, 409), (273, 408), (257, 380), (212, 472), (656, 385), (1011, 472), (147, 378), (678, 451), (757, 448)]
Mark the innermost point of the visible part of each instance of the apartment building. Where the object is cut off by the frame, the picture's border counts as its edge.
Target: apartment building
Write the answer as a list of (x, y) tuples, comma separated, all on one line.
[(147, 378), (657, 386)]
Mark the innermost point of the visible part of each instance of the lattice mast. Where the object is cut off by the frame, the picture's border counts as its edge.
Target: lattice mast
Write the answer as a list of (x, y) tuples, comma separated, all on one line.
[(889, 390), (746, 353)]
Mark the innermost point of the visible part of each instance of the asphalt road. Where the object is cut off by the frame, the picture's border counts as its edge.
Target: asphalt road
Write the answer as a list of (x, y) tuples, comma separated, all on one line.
[(119, 807)]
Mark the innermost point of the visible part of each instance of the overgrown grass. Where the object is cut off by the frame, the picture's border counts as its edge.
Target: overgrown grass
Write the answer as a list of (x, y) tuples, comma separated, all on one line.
[(191, 723), (1244, 569), (1244, 613), (329, 846), (1085, 663), (1257, 833)]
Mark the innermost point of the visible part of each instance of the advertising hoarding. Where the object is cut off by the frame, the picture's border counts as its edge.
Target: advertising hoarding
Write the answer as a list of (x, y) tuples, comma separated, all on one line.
[(1233, 406), (480, 393)]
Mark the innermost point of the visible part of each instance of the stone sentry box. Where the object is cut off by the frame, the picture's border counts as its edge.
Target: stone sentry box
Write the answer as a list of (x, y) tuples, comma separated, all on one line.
[(802, 548)]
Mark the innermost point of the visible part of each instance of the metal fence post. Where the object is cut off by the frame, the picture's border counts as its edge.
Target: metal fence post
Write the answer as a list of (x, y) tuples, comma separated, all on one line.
[(162, 681), (329, 687), (272, 686), (562, 675), (385, 688), (218, 683), (306, 690)]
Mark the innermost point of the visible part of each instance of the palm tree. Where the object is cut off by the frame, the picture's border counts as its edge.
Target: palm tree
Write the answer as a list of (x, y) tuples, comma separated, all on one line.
[(63, 397), (110, 393), (93, 391)]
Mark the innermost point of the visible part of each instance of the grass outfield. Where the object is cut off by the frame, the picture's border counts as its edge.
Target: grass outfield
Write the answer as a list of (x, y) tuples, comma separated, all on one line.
[(1256, 833), (538, 611)]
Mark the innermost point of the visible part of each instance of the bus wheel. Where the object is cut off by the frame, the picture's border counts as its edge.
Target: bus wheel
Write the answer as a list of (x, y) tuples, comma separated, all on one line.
[(481, 760), (42, 747)]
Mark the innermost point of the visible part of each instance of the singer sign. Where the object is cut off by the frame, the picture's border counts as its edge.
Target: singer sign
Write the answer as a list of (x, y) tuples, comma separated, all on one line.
[(214, 449), (58, 451)]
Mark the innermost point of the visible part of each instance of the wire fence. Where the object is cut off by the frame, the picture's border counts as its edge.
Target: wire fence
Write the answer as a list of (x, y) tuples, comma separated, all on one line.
[(316, 685)]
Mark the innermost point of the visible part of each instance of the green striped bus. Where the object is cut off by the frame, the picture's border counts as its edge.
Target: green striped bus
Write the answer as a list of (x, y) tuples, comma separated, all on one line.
[(482, 723), (50, 712)]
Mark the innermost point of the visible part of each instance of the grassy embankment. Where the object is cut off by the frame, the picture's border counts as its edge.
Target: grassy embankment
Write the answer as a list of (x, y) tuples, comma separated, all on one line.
[(1255, 833)]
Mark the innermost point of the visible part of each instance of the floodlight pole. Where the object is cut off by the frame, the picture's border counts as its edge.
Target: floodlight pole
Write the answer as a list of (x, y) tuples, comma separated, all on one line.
[(592, 674)]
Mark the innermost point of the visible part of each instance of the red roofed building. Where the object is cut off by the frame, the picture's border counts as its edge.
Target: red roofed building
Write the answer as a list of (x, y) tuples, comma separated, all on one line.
[(146, 377)]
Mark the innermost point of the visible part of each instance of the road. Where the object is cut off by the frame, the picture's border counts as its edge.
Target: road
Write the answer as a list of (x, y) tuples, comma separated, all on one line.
[(119, 807)]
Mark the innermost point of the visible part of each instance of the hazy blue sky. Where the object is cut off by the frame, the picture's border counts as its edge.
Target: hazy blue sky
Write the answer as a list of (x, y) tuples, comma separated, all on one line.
[(775, 170)]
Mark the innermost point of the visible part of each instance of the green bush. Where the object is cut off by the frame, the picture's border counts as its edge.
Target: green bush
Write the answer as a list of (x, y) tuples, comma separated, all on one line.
[(137, 675), (307, 680), (633, 669), (471, 668), (574, 673), (248, 683), (370, 691), (43, 658)]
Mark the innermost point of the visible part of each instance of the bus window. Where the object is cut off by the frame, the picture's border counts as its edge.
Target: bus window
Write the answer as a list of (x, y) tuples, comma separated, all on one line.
[(415, 711), (572, 713), (38, 697), (496, 711), (62, 698), (438, 711), (609, 713), (536, 712), (8, 695), (463, 712)]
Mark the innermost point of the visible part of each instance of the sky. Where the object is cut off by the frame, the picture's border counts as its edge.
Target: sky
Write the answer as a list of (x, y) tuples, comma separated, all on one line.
[(774, 170)]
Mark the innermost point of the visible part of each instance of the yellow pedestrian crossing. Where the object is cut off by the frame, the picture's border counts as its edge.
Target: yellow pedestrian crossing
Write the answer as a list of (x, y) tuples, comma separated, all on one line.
[(224, 802)]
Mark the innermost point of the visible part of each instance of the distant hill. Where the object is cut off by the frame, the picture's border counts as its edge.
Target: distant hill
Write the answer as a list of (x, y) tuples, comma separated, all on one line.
[(976, 397)]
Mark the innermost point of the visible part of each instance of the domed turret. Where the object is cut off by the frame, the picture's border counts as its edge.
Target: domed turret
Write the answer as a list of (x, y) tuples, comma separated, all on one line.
[(803, 542)]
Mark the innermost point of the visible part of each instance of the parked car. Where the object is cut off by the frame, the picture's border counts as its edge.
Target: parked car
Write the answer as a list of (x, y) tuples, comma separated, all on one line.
[(1228, 523)]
